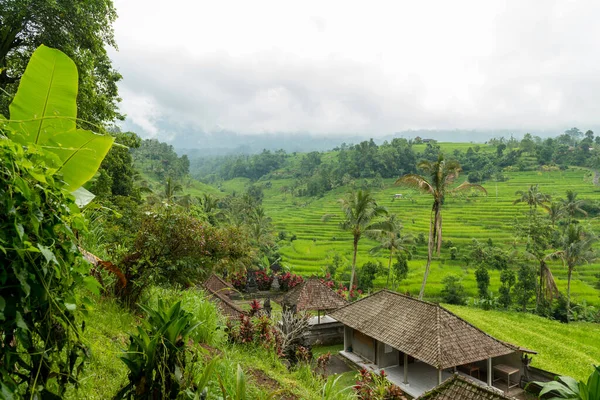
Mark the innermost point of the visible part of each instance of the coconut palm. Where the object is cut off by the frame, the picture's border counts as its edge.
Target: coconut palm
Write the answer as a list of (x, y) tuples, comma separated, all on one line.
[(533, 198), (555, 212), (438, 177), (359, 209), (572, 206), (390, 238), (576, 250)]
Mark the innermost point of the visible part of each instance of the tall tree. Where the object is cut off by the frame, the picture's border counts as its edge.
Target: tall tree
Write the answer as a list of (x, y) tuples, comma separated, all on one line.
[(438, 177), (359, 209), (576, 250), (82, 29), (390, 238), (572, 206), (533, 197)]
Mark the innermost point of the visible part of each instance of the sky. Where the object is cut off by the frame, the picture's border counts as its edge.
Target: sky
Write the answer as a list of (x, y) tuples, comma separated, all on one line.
[(356, 67)]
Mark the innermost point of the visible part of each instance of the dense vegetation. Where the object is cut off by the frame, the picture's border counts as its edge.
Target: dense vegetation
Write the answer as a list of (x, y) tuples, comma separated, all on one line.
[(106, 237)]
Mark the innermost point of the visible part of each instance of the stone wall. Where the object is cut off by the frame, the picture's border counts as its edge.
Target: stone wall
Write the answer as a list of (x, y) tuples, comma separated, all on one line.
[(326, 333)]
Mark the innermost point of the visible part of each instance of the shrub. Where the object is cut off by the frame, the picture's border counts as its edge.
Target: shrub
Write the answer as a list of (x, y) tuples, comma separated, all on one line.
[(368, 273), (453, 291), (507, 279), (526, 285), (156, 354), (263, 280), (375, 386), (289, 280)]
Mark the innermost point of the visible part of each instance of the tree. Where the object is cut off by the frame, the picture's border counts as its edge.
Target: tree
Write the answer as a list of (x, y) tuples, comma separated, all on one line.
[(391, 239), (526, 285), (439, 176), (453, 291), (400, 268), (576, 250), (555, 212), (360, 209), (368, 273), (571, 206), (507, 280), (80, 29), (533, 198), (483, 281)]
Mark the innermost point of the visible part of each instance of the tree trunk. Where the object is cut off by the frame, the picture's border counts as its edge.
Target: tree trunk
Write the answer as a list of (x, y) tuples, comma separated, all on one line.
[(438, 217), (569, 294), (540, 287), (353, 263), (429, 256), (387, 285)]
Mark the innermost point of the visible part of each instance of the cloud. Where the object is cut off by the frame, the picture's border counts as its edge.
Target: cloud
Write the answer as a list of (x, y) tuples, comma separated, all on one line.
[(348, 67)]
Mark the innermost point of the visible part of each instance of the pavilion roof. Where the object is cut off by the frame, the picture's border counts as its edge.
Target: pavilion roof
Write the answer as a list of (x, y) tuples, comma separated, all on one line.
[(226, 306), (460, 388), (217, 284), (420, 329), (312, 294)]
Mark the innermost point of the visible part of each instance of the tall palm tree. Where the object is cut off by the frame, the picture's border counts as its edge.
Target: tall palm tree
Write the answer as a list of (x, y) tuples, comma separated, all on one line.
[(576, 250), (390, 238), (438, 177), (555, 212), (360, 209), (572, 206), (533, 198)]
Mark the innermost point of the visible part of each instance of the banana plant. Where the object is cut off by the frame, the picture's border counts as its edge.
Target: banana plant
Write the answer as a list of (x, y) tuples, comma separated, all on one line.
[(44, 113), (565, 387)]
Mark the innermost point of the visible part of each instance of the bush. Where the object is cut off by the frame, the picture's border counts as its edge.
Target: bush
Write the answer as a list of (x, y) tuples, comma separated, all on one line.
[(282, 235), (289, 280), (375, 386), (526, 285), (453, 291), (507, 279), (368, 273)]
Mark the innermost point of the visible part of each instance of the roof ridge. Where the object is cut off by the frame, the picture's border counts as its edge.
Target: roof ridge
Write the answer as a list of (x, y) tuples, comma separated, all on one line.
[(439, 339), (330, 289), (225, 300)]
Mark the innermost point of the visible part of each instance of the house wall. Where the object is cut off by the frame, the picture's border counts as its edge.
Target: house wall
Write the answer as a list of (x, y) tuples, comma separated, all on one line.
[(363, 345), (387, 356)]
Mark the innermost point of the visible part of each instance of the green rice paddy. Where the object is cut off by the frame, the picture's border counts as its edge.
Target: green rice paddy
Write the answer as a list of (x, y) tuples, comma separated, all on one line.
[(465, 218)]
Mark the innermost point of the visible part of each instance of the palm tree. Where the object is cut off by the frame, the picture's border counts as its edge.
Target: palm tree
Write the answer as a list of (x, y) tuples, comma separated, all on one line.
[(572, 206), (171, 189), (360, 209), (555, 212), (533, 198), (390, 238), (439, 176), (576, 250)]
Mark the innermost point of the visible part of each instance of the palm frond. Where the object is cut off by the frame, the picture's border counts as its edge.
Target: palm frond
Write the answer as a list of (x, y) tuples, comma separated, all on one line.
[(466, 186), (415, 181)]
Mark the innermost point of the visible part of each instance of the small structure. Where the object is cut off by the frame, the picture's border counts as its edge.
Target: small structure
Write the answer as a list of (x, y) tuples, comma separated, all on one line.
[(459, 387), (312, 295), (225, 305), (216, 284), (420, 344)]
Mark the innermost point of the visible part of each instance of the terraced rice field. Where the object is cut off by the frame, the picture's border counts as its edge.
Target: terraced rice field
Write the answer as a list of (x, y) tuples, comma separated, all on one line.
[(465, 218)]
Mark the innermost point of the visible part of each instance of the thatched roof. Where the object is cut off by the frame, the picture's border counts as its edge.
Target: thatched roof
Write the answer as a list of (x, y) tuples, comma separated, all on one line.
[(314, 295), (227, 308), (420, 329), (461, 388), (217, 284)]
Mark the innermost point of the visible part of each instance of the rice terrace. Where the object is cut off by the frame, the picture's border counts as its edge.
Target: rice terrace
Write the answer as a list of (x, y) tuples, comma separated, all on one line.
[(299, 200)]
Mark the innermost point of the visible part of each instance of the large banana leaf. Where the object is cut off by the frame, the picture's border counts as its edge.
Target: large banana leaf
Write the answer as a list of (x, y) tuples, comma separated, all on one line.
[(44, 112)]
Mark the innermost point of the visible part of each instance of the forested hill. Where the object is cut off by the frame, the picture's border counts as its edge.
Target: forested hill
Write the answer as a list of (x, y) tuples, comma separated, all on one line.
[(318, 172)]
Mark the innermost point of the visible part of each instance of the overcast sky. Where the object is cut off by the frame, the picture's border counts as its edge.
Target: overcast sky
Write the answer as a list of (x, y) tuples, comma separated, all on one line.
[(368, 67)]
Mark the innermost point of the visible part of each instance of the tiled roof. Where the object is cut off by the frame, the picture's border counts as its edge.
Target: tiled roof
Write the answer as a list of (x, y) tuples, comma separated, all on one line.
[(420, 329), (227, 308), (216, 284), (312, 294), (461, 388)]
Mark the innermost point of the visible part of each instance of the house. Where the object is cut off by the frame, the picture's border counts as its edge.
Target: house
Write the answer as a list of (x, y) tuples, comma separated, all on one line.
[(458, 387), (312, 295), (215, 283), (420, 344), (225, 305)]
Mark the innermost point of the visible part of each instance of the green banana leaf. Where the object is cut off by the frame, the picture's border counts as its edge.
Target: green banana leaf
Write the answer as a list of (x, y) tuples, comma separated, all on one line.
[(44, 112)]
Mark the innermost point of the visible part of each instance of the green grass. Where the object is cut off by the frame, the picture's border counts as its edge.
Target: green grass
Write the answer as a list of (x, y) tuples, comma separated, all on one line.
[(107, 334), (566, 349)]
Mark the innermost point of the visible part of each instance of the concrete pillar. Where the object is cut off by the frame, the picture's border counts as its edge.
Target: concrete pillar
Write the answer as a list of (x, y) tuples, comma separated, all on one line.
[(346, 337), (405, 369), (489, 371), (439, 376)]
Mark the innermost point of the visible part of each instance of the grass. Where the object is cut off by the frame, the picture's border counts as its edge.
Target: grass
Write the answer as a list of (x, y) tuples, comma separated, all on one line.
[(566, 349), (107, 333)]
